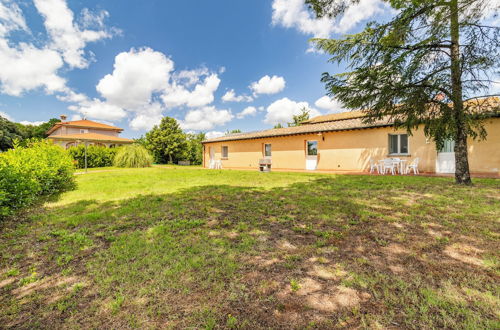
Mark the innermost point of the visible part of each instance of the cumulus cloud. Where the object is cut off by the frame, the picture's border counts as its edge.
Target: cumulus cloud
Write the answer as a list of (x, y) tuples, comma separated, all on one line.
[(33, 123), (248, 111), (205, 118), (231, 96), (147, 117), (283, 110), (137, 74), (295, 14), (99, 109), (21, 69), (27, 66), (6, 116), (176, 94), (214, 134), (327, 103), (268, 85), (67, 37), (11, 18)]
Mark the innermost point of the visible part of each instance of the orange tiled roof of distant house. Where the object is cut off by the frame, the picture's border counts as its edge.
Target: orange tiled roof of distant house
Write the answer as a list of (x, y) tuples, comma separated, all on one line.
[(90, 137), (84, 123)]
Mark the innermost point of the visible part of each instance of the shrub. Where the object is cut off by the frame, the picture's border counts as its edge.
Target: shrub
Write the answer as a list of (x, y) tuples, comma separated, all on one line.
[(133, 156), (26, 173), (97, 156)]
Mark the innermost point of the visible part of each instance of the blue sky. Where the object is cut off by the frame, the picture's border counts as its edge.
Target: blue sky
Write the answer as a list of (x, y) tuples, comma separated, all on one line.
[(213, 65)]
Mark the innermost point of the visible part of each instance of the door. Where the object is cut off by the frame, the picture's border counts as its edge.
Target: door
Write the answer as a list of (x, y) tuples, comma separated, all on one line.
[(445, 161), (311, 155), (211, 162), (212, 153)]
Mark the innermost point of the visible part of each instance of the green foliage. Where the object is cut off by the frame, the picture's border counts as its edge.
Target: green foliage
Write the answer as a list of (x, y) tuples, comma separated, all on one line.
[(26, 173), (279, 125), (97, 156), (167, 141), (300, 118), (37, 131), (9, 132), (194, 150), (133, 156), (233, 131), (419, 68)]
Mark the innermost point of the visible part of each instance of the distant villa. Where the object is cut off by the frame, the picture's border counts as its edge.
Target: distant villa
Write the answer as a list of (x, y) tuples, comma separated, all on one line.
[(71, 133)]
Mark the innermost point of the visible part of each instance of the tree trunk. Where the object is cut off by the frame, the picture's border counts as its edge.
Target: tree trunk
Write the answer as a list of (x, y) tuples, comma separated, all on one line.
[(462, 175), (170, 159)]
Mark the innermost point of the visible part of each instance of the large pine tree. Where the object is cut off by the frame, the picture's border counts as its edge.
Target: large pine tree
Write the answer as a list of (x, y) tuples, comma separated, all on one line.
[(429, 65)]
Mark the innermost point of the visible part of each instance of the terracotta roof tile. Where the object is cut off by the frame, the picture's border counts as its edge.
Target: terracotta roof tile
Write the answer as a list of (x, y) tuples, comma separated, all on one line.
[(90, 137), (335, 116), (84, 123), (347, 121), (339, 125)]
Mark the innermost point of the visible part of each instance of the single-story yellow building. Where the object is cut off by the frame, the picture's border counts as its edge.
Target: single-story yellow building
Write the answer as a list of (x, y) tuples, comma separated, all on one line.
[(344, 142)]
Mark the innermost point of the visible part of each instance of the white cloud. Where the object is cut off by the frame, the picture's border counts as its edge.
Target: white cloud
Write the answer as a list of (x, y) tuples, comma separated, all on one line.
[(11, 18), (6, 116), (205, 118), (214, 134), (22, 69), (190, 77), (67, 37), (136, 76), (248, 111), (33, 123), (231, 96), (327, 103), (146, 117), (176, 94), (27, 66), (98, 109), (283, 110), (268, 85), (295, 14)]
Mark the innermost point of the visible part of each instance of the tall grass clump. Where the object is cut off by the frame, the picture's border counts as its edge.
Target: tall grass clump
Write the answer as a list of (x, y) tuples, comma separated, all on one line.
[(26, 173), (133, 156)]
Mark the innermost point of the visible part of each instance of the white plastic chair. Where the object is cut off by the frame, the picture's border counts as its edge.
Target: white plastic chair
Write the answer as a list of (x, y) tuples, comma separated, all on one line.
[(413, 166), (389, 164), (374, 166)]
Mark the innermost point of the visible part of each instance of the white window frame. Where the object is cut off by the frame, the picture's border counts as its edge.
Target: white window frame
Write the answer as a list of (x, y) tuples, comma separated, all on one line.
[(222, 152), (399, 153), (83, 131), (307, 147), (270, 150)]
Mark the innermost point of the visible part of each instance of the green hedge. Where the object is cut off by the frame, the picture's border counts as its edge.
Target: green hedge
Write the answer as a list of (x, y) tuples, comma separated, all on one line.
[(26, 173), (97, 156)]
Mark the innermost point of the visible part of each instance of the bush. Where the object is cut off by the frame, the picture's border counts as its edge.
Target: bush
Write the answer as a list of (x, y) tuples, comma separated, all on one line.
[(26, 173), (133, 156), (97, 156)]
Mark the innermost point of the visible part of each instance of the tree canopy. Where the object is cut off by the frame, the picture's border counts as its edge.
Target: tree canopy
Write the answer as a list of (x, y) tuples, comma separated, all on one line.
[(166, 141), (427, 66), (300, 118)]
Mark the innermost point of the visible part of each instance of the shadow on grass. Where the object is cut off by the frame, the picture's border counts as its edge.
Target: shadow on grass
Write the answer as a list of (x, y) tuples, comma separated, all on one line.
[(342, 251)]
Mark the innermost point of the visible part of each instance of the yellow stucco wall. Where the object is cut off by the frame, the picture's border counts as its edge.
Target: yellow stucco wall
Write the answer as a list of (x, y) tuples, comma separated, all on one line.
[(351, 150)]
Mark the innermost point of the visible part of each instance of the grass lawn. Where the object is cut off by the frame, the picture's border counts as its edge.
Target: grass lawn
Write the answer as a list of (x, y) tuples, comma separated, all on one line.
[(172, 247)]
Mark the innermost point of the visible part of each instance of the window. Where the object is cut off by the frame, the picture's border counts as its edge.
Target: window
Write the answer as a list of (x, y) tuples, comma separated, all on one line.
[(267, 150), (398, 144), (312, 148), (225, 151), (448, 146), (84, 131)]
